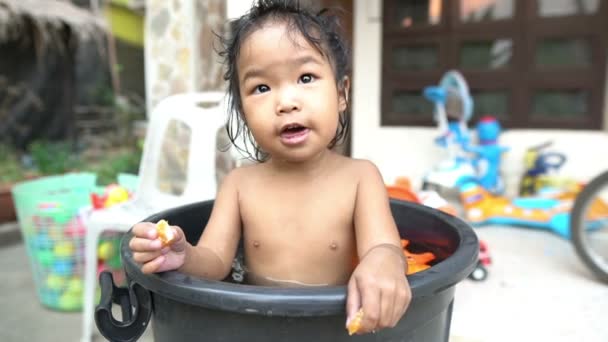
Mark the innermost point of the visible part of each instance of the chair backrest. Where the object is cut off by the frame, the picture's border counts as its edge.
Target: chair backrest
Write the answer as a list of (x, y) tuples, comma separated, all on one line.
[(178, 161)]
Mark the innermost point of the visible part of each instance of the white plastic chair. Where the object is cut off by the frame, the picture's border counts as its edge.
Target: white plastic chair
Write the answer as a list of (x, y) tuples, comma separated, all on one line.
[(166, 149)]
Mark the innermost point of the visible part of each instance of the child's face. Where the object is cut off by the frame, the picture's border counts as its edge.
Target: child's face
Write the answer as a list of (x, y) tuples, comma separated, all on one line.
[(289, 95)]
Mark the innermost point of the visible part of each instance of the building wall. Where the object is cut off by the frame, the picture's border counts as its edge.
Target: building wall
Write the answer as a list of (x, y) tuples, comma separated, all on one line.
[(606, 100), (410, 151)]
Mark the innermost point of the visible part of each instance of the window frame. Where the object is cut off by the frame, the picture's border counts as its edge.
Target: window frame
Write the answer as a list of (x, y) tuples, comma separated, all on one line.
[(521, 80)]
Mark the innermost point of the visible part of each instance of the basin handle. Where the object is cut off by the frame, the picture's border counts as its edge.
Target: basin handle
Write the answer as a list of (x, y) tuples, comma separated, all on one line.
[(133, 323)]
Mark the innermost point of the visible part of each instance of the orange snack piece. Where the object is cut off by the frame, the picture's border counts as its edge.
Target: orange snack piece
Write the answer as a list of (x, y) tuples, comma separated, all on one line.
[(165, 233), (355, 323)]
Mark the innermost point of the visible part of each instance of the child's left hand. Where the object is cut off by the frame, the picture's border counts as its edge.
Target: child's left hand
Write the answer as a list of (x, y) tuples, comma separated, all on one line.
[(379, 287)]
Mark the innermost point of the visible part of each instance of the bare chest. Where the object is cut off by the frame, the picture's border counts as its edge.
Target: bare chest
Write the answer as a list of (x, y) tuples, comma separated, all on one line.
[(295, 216)]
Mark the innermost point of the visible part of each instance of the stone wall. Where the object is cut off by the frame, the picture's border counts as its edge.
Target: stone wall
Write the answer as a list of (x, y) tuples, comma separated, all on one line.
[(180, 56), (213, 22)]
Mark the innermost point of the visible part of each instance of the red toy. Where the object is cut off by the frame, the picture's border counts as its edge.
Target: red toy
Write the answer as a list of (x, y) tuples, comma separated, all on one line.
[(113, 194), (480, 273)]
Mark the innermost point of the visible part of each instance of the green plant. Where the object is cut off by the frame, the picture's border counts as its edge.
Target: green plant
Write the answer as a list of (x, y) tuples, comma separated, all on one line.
[(54, 157), (59, 157), (125, 161), (11, 169), (102, 94)]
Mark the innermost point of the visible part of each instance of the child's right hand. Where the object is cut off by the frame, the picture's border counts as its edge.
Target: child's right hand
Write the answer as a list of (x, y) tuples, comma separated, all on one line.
[(149, 251)]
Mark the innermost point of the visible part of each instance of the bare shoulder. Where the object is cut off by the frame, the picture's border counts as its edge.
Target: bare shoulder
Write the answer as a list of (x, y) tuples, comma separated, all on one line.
[(363, 169), (240, 175), (242, 172)]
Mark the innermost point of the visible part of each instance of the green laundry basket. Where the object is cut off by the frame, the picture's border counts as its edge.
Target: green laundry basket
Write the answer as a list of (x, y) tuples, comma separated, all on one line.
[(49, 214)]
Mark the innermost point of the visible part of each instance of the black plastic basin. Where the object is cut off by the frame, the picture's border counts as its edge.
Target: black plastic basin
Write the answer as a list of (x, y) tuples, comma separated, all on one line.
[(187, 308)]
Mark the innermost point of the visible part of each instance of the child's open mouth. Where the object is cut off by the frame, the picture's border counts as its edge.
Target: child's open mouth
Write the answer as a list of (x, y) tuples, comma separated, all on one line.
[(293, 134)]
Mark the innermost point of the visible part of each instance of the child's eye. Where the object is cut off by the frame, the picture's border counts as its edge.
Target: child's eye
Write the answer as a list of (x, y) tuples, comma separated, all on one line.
[(262, 88), (307, 78)]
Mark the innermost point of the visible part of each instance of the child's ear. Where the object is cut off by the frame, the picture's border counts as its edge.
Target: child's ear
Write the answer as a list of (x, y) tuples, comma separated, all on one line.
[(343, 91)]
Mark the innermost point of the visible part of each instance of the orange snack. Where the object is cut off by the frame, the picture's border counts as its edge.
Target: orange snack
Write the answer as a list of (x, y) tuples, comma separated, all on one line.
[(165, 233), (355, 323)]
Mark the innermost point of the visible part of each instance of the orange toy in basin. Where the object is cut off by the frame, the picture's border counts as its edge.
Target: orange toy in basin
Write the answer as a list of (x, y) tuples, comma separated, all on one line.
[(402, 190), (416, 262)]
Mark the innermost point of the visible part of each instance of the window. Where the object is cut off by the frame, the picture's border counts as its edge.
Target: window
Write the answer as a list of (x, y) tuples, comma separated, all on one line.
[(531, 63)]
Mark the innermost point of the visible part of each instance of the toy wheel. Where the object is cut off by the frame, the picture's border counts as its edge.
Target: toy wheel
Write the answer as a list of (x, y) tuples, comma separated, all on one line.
[(480, 273)]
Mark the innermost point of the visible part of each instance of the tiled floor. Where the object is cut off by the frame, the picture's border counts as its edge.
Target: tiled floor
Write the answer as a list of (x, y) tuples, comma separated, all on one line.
[(537, 291)]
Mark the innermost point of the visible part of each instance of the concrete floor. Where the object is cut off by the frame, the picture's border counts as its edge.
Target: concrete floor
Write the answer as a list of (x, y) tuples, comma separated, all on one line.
[(538, 290)]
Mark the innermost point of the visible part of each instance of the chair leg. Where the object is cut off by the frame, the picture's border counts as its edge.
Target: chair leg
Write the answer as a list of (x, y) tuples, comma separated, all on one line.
[(90, 270)]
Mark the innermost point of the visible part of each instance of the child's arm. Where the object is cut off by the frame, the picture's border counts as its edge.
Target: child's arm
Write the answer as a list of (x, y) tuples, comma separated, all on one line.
[(212, 257), (378, 285)]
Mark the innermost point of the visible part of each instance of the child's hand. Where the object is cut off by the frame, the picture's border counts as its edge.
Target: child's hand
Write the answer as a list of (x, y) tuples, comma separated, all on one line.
[(148, 249), (379, 287)]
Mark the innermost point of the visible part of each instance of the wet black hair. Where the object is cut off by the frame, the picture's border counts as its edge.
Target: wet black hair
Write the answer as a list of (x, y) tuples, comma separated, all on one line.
[(320, 28)]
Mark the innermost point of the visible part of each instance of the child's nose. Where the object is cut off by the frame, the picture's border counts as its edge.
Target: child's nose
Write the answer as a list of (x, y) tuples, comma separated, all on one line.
[(288, 101)]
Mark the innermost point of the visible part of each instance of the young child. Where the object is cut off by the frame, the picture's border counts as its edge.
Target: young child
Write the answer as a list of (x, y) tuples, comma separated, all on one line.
[(305, 213)]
